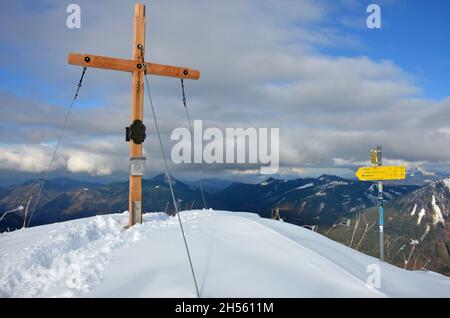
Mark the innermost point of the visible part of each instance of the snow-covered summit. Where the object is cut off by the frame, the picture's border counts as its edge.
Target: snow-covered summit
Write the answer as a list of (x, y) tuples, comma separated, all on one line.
[(446, 182), (234, 255)]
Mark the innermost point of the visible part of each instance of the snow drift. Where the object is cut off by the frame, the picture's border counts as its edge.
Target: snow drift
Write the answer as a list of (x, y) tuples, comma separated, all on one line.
[(234, 255)]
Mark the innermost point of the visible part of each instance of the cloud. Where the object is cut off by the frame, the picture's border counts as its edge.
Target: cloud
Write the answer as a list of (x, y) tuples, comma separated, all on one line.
[(262, 65), (93, 164), (23, 158), (36, 158)]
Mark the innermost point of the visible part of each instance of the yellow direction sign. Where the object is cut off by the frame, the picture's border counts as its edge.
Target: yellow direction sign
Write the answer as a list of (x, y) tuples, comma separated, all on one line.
[(378, 173)]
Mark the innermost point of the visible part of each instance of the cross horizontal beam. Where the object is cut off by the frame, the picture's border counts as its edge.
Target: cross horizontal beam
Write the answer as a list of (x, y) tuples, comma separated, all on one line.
[(112, 63)]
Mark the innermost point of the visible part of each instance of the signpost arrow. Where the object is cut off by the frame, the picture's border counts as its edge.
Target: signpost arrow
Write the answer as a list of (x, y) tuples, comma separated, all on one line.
[(378, 173)]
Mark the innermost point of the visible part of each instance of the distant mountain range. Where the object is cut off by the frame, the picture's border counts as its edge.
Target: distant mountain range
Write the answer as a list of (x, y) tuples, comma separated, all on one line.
[(419, 176), (302, 201), (307, 200), (64, 199), (211, 185)]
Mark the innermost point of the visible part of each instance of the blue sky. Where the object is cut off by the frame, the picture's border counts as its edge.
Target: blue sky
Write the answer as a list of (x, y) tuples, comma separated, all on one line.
[(414, 35), (307, 67)]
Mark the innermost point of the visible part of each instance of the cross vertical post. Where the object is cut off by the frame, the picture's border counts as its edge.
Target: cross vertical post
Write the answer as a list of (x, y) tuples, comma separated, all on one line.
[(135, 134), (137, 113)]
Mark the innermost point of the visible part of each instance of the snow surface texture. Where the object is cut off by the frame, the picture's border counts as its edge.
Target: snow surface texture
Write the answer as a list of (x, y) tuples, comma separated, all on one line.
[(421, 215), (234, 255), (447, 183), (413, 212), (437, 216), (308, 185)]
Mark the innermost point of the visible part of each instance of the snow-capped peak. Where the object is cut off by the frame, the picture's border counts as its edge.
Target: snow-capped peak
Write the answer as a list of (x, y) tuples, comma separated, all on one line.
[(446, 182), (425, 172), (267, 181)]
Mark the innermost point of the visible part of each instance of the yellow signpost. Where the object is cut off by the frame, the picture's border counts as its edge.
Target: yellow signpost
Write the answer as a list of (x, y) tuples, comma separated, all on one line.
[(377, 173)]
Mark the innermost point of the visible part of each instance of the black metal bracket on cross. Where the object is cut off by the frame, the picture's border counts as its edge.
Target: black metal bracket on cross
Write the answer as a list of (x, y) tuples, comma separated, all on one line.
[(136, 132)]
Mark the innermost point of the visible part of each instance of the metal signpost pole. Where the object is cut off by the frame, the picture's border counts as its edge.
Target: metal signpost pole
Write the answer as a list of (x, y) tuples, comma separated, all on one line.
[(380, 204)]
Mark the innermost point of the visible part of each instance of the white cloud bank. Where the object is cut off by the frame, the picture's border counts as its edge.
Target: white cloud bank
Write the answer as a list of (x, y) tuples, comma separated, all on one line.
[(261, 65)]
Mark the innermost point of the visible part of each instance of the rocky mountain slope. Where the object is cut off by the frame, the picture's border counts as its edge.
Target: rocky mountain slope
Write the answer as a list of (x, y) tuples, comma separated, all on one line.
[(417, 230)]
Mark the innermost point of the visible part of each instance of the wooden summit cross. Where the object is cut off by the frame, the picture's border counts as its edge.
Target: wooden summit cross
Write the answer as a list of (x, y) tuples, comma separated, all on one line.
[(136, 132)]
